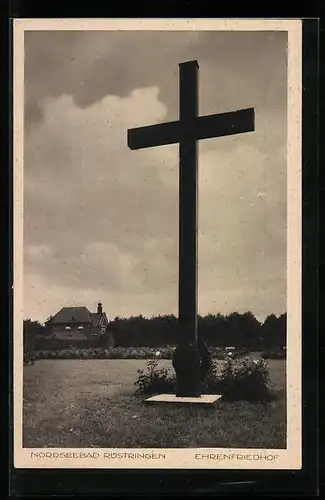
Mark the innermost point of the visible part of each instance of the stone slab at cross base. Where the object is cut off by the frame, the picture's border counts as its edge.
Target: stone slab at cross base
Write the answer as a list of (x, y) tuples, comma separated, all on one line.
[(207, 399)]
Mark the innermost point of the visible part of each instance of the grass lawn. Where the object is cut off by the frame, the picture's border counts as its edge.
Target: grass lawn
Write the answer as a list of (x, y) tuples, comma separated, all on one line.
[(91, 403)]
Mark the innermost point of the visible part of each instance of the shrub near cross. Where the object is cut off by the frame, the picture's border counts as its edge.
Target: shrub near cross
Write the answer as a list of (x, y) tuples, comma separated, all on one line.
[(244, 379), (155, 379)]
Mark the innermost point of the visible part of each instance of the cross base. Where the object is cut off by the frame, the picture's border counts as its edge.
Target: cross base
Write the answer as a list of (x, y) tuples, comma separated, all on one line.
[(192, 364), (205, 399), (186, 363)]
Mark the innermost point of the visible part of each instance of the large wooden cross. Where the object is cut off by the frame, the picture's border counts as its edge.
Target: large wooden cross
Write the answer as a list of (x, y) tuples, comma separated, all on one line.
[(187, 131)]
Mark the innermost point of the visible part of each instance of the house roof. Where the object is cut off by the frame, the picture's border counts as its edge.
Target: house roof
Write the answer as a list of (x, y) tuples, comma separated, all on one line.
[(72, 315)]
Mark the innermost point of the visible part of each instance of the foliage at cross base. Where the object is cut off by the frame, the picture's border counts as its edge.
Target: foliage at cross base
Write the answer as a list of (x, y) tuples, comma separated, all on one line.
[(239, 379), (155, 380)]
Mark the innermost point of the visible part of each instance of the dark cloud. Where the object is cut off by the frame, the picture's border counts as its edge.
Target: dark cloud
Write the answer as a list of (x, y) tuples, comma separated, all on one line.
[(90, 65)]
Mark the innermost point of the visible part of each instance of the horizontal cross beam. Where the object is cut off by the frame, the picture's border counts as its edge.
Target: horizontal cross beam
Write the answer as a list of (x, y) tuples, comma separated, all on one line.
[(203, 127), (154, 135)]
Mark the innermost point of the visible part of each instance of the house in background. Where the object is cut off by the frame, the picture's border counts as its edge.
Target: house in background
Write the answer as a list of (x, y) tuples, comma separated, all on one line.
[(78, 323)]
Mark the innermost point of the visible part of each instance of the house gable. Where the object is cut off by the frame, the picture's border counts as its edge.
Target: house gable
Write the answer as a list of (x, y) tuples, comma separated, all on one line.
[(103, 320), (99, 322)]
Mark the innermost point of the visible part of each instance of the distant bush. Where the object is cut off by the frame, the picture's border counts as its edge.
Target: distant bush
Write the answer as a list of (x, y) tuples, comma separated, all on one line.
[(274, 354), (239, 379), (29, 358), (221, 353)]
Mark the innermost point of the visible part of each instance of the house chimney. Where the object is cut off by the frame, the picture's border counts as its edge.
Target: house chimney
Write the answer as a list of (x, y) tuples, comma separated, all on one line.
[(99, 308)]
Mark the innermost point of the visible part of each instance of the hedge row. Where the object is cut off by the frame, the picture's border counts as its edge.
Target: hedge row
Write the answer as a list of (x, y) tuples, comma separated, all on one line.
[(132, 353), (104, 353), (116, 353)]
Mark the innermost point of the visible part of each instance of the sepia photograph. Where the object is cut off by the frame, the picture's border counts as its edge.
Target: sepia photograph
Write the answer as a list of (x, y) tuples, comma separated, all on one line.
[(157, 243)]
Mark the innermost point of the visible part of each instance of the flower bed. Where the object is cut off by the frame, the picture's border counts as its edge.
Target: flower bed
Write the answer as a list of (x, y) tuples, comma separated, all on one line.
[(106, 353)]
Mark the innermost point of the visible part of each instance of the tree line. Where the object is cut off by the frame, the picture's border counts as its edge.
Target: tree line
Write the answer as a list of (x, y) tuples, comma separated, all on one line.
[(235, 330)]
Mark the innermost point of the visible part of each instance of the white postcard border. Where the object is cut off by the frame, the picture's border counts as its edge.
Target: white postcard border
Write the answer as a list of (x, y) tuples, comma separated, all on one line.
[(201, 458)]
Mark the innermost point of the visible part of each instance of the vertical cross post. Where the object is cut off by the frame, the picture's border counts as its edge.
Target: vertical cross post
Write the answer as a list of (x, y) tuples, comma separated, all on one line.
[(186, 358)]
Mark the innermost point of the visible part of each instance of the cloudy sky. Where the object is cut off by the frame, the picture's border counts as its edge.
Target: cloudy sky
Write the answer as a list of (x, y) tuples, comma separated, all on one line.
[(101, 221)]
